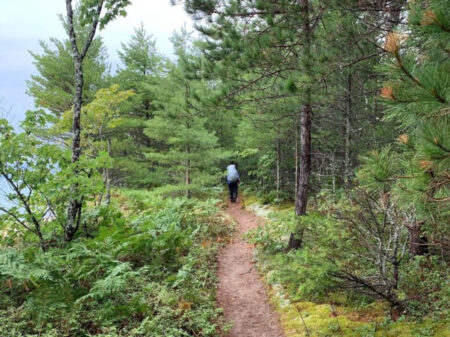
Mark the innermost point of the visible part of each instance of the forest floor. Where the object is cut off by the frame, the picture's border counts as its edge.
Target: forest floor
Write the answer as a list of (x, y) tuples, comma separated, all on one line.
[(241, 292)]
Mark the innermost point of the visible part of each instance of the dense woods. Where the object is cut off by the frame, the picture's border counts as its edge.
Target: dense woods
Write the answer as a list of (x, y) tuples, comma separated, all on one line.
[(337, 113)]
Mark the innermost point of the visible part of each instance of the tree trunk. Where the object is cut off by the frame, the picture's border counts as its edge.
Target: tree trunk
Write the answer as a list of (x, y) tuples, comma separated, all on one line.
[(333, 171), (347, 115), (76, 200), (305, 160), (296, 158), (418, 242), (278, 167), (188, 173), (295, 240), (396, 311), (108, 177), (395, 11), (74, 203)]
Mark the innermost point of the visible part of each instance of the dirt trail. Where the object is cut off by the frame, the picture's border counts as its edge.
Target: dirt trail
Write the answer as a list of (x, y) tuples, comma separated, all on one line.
[(241, 293)]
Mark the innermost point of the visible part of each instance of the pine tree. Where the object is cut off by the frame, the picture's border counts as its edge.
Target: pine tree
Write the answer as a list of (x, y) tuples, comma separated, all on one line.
[(417, 94), (54, 85), (143, 69), (187, 150)]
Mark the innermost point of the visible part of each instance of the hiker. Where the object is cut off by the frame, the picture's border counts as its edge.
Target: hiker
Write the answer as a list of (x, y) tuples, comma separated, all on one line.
[(233, 180)]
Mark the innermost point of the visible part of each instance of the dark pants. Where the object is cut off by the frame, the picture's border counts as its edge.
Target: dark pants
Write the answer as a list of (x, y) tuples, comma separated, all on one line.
[(233, 186)]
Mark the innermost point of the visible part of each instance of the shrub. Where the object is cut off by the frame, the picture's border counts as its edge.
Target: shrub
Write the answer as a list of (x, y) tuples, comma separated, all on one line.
[(150, 275)]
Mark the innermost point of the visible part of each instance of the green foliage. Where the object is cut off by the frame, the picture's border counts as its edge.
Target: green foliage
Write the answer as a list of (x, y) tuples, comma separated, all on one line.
[(426, 284), (54, 85), (142, 74), (39, 176), (148, 275), (140, 56), (112, 9), (188, 150), (144, 267), (416, 170), (330, 248), (306, 273), (100, 119), (335, 248)]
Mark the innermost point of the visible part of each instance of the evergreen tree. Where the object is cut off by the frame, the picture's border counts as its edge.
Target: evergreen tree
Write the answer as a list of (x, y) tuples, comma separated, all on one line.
[(142, 74), (417, 94), (268, 51), (187, 151), (54, 85)]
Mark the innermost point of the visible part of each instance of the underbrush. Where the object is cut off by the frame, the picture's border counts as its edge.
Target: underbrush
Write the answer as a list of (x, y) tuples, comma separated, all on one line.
[(149, 273), (314, 301)]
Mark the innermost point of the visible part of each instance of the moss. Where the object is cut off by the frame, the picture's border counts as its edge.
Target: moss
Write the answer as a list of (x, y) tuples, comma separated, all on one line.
[(337, 315), (319, 320), (300, 319), (248, 199)]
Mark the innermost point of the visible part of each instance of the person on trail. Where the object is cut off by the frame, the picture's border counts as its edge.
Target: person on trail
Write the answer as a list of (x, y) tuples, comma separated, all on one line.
[(233, 180)]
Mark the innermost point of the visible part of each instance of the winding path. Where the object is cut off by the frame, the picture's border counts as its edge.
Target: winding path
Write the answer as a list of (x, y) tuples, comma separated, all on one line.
[(241, 293)]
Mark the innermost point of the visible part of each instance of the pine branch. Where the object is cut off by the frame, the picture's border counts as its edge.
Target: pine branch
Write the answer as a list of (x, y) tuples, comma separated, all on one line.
[(416, 80), (363, 58)]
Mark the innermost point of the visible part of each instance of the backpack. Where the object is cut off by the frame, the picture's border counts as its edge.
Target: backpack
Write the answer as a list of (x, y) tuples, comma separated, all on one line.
[(233, 174)]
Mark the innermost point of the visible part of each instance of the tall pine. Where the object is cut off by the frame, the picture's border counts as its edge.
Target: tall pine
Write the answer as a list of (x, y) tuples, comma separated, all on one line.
[(417, 93), (186, 153)]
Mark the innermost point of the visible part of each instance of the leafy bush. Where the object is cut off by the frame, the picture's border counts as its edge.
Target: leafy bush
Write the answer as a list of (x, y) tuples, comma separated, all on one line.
[(358, 245), (306, 273), (149, 274)]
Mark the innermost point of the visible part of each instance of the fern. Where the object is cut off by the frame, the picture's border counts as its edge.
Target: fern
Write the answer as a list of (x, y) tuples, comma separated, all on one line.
[(116, 281), (14, 265)]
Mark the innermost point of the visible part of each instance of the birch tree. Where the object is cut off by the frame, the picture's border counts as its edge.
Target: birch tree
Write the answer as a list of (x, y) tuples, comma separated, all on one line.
[(94, 14)]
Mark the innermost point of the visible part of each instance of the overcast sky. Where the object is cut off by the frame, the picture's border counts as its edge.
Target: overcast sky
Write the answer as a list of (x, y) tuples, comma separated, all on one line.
[(24, 22)]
